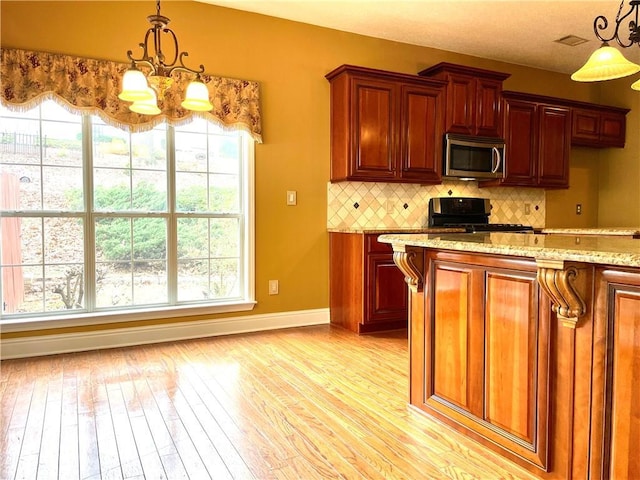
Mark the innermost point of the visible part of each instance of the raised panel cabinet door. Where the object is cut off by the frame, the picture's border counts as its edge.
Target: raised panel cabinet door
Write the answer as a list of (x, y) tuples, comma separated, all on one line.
[(489, 111), (585, 127), (386, 291), (515, 362), (374, 107), (616, 426), (554, 144), (613, 129), (421, 133), (455, 371), (521, 149), (461, 108)]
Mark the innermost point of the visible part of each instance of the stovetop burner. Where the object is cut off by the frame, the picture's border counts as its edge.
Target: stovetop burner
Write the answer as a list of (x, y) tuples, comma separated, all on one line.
[(472, 214), (491, 227)]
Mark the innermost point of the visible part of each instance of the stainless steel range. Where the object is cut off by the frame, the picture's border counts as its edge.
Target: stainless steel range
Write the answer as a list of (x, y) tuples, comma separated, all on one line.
[(472, 214)]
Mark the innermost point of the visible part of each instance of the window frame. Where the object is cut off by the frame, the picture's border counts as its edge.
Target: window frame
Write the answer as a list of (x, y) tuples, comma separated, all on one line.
[(246, 302)]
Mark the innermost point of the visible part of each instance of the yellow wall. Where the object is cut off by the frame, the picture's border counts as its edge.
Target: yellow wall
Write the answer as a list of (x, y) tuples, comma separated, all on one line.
[(290, 60)]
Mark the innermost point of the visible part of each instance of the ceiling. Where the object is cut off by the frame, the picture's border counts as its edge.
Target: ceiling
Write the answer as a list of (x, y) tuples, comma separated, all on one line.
[(519, 32)]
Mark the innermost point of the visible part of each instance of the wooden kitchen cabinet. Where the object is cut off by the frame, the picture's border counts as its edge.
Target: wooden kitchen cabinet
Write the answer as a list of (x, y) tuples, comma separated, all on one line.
[(473, 99), (485, 360), (616, 391), (598, 126), (537, 142), (385, 127), (367, 291)]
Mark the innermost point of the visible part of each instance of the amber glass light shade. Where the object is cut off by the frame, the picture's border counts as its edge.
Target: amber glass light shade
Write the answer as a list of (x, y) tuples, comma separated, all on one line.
[(197, 97), (606, 63), (134, 86), (148, 106)]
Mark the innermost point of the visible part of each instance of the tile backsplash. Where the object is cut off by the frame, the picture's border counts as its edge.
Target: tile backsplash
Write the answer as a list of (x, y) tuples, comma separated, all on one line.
[(362, 205)]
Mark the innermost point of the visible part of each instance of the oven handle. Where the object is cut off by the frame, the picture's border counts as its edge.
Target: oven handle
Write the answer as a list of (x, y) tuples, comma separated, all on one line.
[(499, 157)]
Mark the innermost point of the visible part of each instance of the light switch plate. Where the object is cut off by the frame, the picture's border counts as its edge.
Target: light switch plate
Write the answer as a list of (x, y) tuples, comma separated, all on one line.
[(292, 197)]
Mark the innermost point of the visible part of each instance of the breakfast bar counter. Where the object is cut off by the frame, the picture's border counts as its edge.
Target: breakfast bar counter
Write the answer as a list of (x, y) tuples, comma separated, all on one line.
[(529, 344)]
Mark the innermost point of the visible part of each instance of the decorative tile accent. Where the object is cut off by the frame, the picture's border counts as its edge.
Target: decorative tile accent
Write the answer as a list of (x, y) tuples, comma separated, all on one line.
[(404, 206)]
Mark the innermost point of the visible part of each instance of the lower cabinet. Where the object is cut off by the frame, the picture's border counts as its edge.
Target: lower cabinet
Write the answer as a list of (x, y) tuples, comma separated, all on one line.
[(485, 363), (490, 358), (367, 291), (615, 418)]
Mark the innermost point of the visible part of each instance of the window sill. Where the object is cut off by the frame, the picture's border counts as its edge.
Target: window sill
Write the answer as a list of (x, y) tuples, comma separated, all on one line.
[(24, 324)]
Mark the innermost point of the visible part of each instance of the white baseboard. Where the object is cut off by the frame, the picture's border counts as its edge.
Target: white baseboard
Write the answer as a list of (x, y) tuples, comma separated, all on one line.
[(124, 337)]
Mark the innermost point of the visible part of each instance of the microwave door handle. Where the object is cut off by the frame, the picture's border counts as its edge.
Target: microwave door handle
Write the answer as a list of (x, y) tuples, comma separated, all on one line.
[(497, 155)]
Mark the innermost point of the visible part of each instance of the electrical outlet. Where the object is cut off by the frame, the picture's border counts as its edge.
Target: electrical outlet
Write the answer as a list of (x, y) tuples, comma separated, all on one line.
[(527, 208), (389, 206), (578, 209), (273, 287)]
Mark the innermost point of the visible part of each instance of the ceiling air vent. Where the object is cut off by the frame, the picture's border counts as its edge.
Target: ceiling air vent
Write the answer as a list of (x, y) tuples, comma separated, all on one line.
[(572, 40)]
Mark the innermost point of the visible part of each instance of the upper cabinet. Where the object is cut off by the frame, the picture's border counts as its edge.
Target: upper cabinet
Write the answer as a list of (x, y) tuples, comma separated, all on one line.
[(385, 127), (598, 126), (473, 99), (537, 142)]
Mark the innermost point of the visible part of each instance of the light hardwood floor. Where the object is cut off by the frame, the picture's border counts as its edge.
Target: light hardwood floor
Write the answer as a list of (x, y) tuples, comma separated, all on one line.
[(305, 403)]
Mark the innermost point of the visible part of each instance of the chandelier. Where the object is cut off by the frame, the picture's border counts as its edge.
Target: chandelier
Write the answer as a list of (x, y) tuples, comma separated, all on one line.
[(144, 91), (607, 63)]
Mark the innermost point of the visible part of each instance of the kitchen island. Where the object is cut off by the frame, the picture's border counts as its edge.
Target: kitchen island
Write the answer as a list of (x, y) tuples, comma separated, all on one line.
[(529, 344)]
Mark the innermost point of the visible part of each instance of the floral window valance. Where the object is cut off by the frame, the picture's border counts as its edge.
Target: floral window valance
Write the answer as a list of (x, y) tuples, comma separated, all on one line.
[(93, 85)]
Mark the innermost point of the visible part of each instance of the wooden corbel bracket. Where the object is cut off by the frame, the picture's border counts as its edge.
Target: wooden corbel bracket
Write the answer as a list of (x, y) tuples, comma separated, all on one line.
[(410, 261), (560, 280)]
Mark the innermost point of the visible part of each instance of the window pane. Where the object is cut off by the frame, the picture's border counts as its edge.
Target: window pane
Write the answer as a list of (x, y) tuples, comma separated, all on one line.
[(62, 188), (193, 280), (225, 276), (149, 239), (191, 192), (112, 190), (20, 140), (110, 146), (225, 237), (63, 240), (64, 287), (62, 142), (224, 194), (113, 239), (193, 238), (149, 191), (150, 283), (114, 285), (224, 152)]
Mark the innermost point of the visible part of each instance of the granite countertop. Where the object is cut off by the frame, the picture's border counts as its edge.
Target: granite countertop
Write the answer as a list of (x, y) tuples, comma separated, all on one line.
[(622, 231), (604, 250), (387, 230)]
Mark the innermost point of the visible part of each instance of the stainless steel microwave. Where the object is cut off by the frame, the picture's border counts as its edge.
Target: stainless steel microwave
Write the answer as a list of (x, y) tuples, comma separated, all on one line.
[(473, 158)]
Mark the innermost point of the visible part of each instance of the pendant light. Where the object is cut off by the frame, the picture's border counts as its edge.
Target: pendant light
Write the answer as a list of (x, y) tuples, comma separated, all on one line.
[(608, 63), (143, 90)]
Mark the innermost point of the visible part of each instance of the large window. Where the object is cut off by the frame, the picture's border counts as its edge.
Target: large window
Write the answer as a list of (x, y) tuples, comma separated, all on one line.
[(96, 219)]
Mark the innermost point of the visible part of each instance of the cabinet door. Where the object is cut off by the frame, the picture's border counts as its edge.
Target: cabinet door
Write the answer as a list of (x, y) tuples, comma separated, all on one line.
[(613, 129), (521, 151), (461, 108), (489, 112), (421, 133), (585, 129), (455, 368), (373, 124), (616, 395), (554, 146), (597, 128), (487, 352)]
